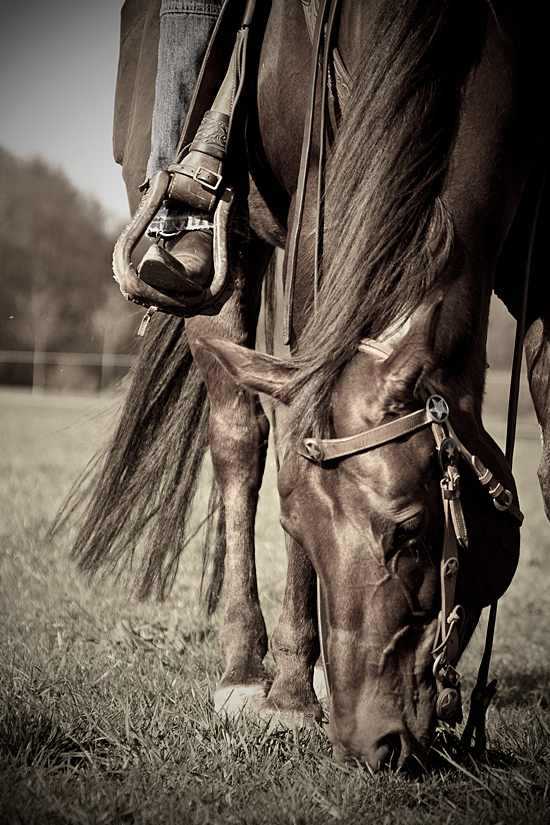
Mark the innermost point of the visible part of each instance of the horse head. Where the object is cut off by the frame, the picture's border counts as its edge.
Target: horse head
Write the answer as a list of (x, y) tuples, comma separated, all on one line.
[(367, 506)]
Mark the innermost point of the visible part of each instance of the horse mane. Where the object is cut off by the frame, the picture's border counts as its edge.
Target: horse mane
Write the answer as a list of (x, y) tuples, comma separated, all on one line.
[(387, 232)]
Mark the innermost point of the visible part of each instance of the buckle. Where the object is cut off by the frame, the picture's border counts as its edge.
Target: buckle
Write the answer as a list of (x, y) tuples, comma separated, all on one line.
[(207, 173), (450, 488), (444, 671), (509, 499)]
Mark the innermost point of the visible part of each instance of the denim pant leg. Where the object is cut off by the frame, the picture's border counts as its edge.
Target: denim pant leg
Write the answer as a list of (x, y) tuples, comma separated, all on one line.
[(185, 29)]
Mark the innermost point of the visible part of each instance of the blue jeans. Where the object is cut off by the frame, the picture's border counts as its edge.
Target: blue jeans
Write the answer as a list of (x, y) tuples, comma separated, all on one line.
[(185, 29)]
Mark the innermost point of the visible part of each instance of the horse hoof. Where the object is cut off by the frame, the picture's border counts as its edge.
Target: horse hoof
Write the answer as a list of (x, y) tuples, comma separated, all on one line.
[(233, 699), (289, 719)]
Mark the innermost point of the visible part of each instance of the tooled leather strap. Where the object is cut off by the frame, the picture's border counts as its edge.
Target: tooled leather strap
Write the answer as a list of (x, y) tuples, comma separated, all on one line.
[(343, 77), (328, 449), (200, 184)]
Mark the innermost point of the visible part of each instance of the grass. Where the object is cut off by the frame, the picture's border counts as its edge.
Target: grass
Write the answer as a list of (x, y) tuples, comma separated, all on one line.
[(105, 703)]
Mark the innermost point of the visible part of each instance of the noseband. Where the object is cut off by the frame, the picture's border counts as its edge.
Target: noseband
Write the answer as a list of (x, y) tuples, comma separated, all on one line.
[(435, 414)]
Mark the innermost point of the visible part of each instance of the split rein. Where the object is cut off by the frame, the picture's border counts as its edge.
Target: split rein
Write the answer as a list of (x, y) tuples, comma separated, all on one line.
[(446, 650)]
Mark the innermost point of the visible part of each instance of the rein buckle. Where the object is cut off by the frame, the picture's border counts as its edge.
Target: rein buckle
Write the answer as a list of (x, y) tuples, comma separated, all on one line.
[(450, 489), (509, 499)]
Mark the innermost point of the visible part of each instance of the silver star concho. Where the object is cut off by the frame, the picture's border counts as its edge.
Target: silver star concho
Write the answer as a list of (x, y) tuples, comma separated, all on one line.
[(450, 568), (437, 408), (448, 453)]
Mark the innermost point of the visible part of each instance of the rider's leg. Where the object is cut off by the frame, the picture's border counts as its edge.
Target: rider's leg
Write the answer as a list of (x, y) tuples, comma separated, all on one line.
[(185, 29)]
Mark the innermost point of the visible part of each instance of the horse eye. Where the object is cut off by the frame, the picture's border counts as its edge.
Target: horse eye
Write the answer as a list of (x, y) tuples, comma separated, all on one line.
[(409, 529)]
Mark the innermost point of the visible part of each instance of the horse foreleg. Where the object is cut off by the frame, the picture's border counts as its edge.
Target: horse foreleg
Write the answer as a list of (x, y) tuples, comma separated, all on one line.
[(238, 434), (537, 352), (295, 646), (238, 442)]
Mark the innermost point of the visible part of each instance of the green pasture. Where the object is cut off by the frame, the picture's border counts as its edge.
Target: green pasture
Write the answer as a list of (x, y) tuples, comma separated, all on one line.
[(105, 703)]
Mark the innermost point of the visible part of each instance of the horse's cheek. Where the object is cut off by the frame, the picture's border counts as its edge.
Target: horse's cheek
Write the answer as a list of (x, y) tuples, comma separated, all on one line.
[(302, 515)]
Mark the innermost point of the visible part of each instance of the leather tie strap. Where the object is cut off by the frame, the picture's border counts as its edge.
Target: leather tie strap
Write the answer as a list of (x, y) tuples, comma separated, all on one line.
[(502, 498)]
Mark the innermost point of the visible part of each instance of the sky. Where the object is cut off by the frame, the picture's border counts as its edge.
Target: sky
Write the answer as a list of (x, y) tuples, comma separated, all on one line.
[(58, 63)]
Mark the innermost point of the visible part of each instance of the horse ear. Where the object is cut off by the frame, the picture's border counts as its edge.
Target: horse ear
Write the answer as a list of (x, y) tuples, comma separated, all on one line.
[(413, 357), (253, 370)]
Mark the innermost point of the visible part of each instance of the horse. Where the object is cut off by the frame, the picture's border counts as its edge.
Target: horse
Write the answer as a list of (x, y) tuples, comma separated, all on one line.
[(437, 142)]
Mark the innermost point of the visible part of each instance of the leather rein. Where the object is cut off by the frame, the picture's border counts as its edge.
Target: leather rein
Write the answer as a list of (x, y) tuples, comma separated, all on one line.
[(451, 450)]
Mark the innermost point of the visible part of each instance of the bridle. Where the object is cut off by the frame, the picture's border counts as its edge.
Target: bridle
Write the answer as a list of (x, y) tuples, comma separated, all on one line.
[(435, 414)]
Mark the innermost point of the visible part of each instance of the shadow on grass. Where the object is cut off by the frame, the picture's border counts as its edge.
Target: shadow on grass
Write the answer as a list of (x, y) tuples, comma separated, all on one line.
[(32, 737), (523, 689)]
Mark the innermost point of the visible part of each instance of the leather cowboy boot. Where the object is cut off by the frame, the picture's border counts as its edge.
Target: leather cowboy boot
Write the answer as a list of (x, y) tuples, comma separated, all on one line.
[(184, 264)]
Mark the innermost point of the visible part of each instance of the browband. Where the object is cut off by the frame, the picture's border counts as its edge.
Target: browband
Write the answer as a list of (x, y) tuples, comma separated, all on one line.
[(327, 449), (435, 413)]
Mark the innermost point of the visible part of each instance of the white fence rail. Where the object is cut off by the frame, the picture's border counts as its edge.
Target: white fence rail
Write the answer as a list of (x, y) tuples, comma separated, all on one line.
[(106, 361)]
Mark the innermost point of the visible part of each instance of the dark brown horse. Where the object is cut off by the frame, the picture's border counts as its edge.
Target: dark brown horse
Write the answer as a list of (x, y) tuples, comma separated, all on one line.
[(438, 137)]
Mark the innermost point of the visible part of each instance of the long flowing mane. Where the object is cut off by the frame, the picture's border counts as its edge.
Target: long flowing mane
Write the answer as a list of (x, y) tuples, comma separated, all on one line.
[(387, 231)]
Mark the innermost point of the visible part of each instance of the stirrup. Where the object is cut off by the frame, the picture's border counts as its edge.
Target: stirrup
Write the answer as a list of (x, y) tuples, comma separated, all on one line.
[(210, 299)]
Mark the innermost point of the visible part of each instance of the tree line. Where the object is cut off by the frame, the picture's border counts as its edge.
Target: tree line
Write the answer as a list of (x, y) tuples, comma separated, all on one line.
[(58, 294)]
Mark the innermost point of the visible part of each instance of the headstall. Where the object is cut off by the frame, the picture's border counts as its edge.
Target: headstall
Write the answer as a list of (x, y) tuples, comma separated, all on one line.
[(435, 414)]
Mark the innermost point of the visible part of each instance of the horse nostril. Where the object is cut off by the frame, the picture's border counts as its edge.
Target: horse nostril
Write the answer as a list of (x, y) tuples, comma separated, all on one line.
[(379, 752), (388, 751)]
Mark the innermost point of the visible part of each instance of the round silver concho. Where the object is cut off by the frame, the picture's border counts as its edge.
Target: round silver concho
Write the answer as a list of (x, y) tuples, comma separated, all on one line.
[(447, 705), (314, 449), (448, 453), (437, 408), (450, 568)]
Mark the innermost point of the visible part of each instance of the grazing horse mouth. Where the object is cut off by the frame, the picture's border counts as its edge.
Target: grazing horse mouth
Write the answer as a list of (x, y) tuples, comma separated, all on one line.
[(392, 751)]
